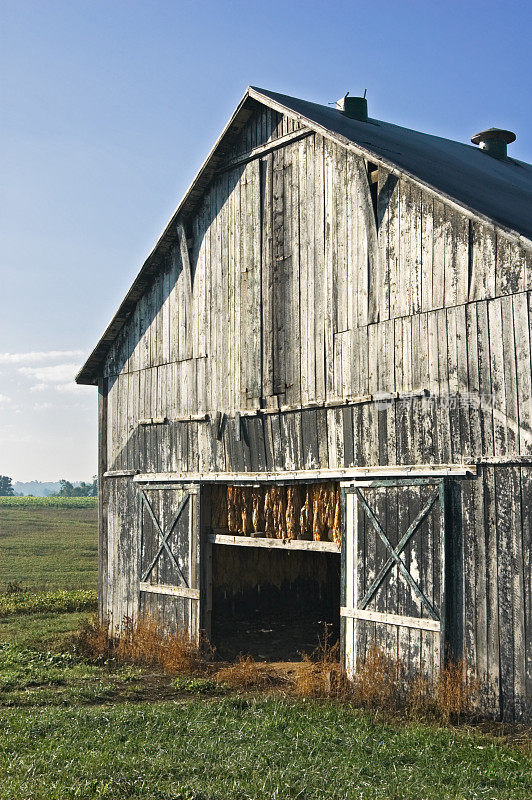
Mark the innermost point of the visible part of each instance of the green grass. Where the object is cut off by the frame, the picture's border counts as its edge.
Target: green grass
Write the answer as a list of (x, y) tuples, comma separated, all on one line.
[(45, 630), (33, 677), (199, 686), (60, 602), (234, 748), (48, 547)]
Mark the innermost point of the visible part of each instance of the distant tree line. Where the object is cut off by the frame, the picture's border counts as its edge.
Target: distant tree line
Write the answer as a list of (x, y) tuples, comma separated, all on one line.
[(82, 490), (67, 488)]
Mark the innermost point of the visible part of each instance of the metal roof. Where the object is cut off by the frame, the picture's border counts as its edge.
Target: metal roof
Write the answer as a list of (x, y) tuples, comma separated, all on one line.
[(499, 190)]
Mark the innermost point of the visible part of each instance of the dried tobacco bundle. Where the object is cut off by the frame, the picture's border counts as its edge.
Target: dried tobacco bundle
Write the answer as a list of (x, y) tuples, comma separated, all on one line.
[(258, 504), (279, 512), (232, 514), (305, 515), (282, 512), (268, 512), (246, 510), (292, 512)]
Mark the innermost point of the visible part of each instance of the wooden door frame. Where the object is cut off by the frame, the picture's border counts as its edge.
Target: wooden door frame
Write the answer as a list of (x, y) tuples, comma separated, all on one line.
[(192, 593), (450, 571)]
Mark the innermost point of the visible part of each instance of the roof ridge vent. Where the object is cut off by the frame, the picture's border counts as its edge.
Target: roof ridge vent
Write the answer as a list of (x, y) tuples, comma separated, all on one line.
[(353, 107), (494, 141)]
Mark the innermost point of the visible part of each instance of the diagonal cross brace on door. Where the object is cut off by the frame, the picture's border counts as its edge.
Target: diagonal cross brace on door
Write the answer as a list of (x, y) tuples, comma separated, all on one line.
[(164, 538), (396, 552)]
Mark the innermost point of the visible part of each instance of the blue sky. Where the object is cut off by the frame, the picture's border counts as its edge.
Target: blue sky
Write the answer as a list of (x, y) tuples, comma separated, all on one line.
[(109, 108)]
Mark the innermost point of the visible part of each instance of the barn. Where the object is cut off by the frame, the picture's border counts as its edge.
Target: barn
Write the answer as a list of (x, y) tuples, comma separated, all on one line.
[(315, 401)]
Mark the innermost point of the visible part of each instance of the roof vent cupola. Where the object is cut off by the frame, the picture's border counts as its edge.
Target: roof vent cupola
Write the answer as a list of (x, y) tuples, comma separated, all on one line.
[(353, 107), (494, 141)]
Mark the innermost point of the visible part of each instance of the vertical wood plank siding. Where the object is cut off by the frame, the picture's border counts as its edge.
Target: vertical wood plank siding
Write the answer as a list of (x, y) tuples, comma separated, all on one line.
[(302, 294)]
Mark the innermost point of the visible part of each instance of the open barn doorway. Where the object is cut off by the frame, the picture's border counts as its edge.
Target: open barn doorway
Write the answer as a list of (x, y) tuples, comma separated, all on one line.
[(275, 574)]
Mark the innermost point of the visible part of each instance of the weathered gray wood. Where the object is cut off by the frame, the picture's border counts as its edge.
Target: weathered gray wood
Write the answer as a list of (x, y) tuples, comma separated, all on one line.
[(258, 541), (291, 249), (526, 521), (392, 619), (523, 361), (331, 343), (267, 149), (102, 500), (310, 475), (174, 591)]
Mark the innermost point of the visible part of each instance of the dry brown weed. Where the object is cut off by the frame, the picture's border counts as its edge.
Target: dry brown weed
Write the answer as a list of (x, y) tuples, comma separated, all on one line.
[(457, 691), (245, 673), (382, 683), (92, 640), (142, 642)]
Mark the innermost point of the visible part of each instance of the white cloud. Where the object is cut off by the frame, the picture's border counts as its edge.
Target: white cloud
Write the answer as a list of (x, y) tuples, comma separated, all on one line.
[(38, 356), (58, 373), (74, 388), (47, 424)]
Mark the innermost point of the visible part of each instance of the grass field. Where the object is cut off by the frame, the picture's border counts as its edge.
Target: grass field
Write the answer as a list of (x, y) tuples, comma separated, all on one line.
[(48, 543), (74, 729), (235, 748)]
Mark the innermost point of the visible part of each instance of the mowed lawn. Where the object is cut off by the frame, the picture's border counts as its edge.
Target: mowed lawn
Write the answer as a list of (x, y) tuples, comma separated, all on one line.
[(239, 748), (49, 543), (70, 728)]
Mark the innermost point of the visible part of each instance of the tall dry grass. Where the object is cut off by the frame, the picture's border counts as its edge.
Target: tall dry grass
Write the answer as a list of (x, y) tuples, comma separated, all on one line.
[(382, 683), (246, 673), (142, 642)]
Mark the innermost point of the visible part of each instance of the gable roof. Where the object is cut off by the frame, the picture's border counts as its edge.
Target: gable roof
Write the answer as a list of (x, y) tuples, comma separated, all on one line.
[(500, 191)]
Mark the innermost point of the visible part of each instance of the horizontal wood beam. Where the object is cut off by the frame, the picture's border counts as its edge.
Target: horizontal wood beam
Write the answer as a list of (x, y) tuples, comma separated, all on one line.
[(165, 420), (310, 475), (175, 591), (392, 619), (279, 544), (120, 473), (264, 149), (510, 461)]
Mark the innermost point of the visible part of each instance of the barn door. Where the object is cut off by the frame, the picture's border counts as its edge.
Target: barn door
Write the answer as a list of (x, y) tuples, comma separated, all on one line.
[(168, 568), (394, 572)]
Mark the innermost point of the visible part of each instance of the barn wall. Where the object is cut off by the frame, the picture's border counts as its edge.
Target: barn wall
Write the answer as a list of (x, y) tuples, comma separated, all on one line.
[(470, 364), (497, 605), (301, 297)]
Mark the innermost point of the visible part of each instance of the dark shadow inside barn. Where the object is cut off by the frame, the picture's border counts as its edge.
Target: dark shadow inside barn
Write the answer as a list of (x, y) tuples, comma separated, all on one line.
[(272, 604)]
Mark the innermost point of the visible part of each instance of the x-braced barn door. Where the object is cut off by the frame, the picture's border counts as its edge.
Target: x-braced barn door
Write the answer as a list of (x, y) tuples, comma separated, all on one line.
[(393, 561), (169, 587)]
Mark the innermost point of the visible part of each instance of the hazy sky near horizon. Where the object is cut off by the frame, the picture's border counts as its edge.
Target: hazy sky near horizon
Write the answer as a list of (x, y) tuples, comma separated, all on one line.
[(107, 111)]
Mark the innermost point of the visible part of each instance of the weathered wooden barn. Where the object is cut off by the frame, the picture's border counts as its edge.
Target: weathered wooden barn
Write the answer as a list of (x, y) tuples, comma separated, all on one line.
[(336, 319)]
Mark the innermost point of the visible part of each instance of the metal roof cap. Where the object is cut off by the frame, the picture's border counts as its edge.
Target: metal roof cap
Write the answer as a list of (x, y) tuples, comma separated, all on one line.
[(494, 141)]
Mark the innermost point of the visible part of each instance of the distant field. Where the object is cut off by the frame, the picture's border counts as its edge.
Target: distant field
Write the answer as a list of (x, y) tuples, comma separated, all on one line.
[(49, 502), (48, 543)]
